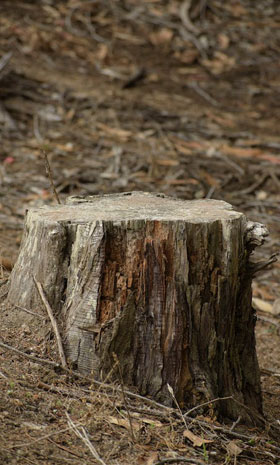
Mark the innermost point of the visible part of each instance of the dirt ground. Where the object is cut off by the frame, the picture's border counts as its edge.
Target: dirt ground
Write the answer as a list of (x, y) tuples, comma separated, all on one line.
[(180, 97)]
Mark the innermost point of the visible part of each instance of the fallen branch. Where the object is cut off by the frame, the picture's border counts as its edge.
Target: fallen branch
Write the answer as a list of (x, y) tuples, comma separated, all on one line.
[(3, 376), (29, 311), (5, 60), (146, 400), (207, 403), (53, 322), (111, 387), (170, 389), (180, 459), (259, 266), (184, 15), (41, 361), (46, 436), (49, 173), (84, 437)]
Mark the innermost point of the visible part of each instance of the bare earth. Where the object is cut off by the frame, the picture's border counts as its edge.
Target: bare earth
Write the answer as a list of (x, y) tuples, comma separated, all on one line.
[(170, 96)]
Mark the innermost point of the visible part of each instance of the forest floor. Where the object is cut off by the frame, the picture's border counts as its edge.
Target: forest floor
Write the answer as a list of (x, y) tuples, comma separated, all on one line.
[(172, 96)]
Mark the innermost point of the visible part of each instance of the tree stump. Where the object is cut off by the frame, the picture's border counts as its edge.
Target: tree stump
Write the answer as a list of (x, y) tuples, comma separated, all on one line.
[(160, 284)]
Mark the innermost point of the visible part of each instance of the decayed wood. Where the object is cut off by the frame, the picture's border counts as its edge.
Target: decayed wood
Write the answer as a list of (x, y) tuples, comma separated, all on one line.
[(162, 284)]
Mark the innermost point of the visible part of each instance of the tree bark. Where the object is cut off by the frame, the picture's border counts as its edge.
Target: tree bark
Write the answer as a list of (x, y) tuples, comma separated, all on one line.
[(159, 284)]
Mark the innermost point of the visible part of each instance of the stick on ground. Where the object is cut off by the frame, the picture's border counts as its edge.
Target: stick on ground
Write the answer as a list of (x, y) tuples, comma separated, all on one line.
[(84, 437), (49, 173), (53, 322)]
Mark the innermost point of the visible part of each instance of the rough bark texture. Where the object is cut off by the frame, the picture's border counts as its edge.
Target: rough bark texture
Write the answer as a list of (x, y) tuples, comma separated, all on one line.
[(164, 284)]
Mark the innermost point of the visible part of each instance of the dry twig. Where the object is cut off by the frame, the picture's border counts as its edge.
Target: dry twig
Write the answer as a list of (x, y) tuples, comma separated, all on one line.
[(46, 436), (3, 376), (180, 459), (184, 15), (171, 391), (53, 322), (106, 386), (207, 403), (5, 60), (29, 311), (84, 437), (34, 359), (49, 173)]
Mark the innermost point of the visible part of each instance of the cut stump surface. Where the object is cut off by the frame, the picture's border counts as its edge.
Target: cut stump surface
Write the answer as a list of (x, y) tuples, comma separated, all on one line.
[(159, 284)]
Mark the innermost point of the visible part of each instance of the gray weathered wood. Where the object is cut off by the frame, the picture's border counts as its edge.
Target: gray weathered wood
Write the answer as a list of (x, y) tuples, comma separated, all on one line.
[(164, 284)]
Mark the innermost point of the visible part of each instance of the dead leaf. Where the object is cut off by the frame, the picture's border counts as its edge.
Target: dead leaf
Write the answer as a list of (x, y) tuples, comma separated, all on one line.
[(145, 134), (276, 307), (188, 146), (211, 181), (219, 64), (6, 263), (153, 77), (161, 37), (236, 9), (261, 292), (196, 440), (223, 41), (122, 134), (233, 449), (168, 162), (51, 11), (207, 418), (223, 119), (262, 305), (240, 151), (70, 114), (269, 157), (152, 458), (34, 426), (182, 149), (102, 52), (179, 182), (188, 56), (261, 195), (106, 175), (155, 423), (68, 147), (251, 142), (249, 153), (124, 423)]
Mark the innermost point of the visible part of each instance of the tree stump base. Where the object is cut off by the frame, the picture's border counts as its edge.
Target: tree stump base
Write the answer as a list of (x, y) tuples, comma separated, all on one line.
[(160, 284)]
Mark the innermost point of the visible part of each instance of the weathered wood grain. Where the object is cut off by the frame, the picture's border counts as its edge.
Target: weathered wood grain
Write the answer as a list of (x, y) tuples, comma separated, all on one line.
[(160, 283)]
